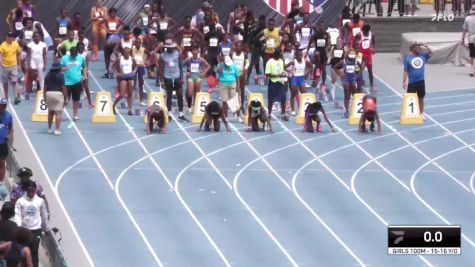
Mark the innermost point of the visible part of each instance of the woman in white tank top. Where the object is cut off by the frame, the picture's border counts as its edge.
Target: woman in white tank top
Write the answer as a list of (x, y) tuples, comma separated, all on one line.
[(125, 69), (300, 68), (239, 58)]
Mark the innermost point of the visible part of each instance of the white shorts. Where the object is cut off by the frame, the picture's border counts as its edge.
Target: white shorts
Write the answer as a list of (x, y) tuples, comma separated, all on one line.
[(37, 64)]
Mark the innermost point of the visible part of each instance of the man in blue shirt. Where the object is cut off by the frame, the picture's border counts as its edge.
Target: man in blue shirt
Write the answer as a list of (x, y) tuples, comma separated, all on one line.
[(6, 135), (414, 66), (74, 67)]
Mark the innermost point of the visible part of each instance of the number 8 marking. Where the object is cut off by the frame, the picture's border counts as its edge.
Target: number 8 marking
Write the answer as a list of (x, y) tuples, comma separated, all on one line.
[(43, 104)]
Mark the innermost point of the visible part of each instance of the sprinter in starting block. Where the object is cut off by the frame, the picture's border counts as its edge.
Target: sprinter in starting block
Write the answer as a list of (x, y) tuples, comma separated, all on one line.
[(156, 118), (256, 113), (311, 115), (213, 112), (370, 113)]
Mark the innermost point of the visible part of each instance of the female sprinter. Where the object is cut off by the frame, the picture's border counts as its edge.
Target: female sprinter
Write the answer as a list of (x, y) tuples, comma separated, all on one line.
[(311, 115), (125, 69), (196, 67)]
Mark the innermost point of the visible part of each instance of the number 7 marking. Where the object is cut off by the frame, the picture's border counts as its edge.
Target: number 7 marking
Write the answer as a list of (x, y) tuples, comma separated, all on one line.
[(104, 102)]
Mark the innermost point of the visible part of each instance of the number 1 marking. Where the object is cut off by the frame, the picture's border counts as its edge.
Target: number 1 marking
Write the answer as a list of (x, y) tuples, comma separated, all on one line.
[(412, 107)]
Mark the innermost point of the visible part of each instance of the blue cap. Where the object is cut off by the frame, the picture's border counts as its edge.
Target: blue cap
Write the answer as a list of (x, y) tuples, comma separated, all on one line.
[(3, 101)]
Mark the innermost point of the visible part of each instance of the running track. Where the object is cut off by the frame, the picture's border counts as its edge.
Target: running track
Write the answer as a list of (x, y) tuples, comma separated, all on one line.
[(259, 199)]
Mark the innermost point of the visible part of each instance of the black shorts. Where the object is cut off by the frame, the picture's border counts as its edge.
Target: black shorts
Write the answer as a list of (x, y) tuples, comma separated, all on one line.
[(471, 48), (74, 91), (172, 84), (323, 56), (3, 151), (108, 50), (277, 92), (417, 87)]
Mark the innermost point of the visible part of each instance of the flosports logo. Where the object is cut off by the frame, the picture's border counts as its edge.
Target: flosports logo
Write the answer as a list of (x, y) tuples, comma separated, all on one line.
[(284, 6), (443, 17)]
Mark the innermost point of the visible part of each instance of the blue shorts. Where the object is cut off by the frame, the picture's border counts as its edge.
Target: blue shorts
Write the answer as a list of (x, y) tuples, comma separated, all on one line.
[(350, 79), (298, 81)]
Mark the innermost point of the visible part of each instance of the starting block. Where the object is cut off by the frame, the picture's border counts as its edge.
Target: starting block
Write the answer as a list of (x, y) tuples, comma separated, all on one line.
[(202, 99), (256, 97), (103, 112), (40, 113), (410, 110), (155, 99), (305, 100), (356, 109)]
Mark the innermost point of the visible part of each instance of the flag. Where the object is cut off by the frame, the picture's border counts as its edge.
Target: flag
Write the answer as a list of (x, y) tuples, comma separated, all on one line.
[(284, 6)]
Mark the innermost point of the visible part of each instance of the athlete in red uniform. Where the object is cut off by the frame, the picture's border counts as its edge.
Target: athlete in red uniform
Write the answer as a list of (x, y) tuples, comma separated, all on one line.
[(370, 113)]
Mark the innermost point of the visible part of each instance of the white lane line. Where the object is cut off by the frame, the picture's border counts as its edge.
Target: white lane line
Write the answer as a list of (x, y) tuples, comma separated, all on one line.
[(413, 187), (472, 182), (355, 174), (89, 150), (429, 117), (55, 192), (124, 206)]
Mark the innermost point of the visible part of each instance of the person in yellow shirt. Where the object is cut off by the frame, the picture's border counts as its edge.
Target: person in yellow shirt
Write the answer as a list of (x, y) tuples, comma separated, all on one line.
[(271, 39), (276, 91), (10, 53)]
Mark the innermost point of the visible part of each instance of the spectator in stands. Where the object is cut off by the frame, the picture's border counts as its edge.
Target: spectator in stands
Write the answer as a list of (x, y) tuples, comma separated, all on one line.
[(400, 7), (16, 252), (6, 135), (30, 212), (414, 65), (469, 27), (410, 7), (54, 94), (19, 189), (6, 225)]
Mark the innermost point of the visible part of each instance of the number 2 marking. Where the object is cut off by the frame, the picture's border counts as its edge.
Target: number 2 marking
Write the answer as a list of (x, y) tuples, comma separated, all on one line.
[(360, 105)]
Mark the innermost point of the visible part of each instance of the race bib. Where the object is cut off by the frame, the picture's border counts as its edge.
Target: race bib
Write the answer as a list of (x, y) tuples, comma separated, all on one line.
[(270, 43), (18, 25), (213, 42), (350, 69), (338, 53), (145, 21), (98, 15), (239, 63), (345, 21), (28, 35), (365, 44), (28, 14), (356, 31), (153, 29), (138, 59), (171, 64), (240, 37), (63, 30), (205, 29), (127, 69), (299, 69), (305, 32), (195, 67), (321, 42), (187, 41), (112, 26), (226, 51), (163, 26)]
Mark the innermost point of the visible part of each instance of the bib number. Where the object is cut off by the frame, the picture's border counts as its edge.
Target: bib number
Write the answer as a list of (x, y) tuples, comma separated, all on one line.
[(213, 42), (138, 59), (321, 42), (187, 42), (356, 31), (195, 67), (365, 44), (127, 69), (18, 25), (63, 30), (350, 69), (338, 53), (305, 32), (205, 29), (163, 26), (270, 43), (28, 35), (226, 51), (112, 26)]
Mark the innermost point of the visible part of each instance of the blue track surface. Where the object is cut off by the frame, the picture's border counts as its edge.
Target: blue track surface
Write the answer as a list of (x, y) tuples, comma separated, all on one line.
[(259, 199)]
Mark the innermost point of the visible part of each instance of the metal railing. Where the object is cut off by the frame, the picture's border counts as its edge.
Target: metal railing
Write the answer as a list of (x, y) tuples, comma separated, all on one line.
[(48, 240)]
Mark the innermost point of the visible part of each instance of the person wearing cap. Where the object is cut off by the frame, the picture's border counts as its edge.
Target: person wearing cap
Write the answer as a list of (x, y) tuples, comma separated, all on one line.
[(276, 91), (74, 67), (469, 28), (54, 94), (156, 118), (171, 75), (213, 112), (228, 83), (256, 113), (10, 53), (348, 77), (370, 113), (6, 135), (31, 213), (19, 188), (414, 71)]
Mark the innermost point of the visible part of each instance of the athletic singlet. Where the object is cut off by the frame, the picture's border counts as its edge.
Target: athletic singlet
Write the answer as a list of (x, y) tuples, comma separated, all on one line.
[(143, 19), (187, 39), (305, 33), (99, 14), (255, 112), (225, 48), (154, 27), (355, 28), (28, 35), (350, 68), (27, 10), (298, 20), (337, 55), (288, 57), (194, 67), (18, 24), (272, 40), (139, 55), (299, 68), (126, 65), (239, 61), (112, 25), (63, 25), (126, 44), (321, 41), (365, 43)]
